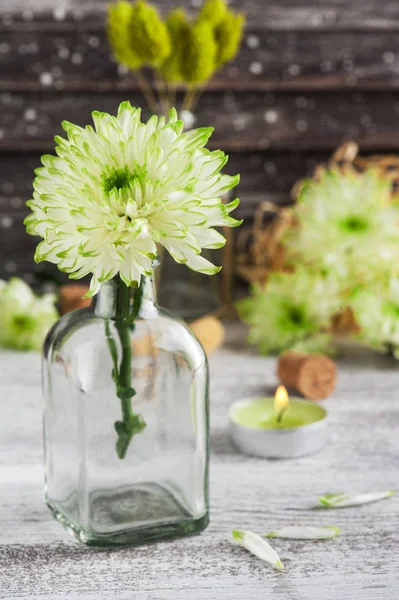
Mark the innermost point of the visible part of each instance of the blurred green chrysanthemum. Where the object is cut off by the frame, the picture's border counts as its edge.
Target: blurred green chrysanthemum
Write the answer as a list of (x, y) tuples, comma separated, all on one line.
[(346, 223), (292, 309), (376, 309), (346, 236), (24, 318)]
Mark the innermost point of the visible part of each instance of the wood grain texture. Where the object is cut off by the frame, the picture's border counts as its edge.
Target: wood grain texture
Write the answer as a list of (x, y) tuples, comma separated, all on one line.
[(79, 59), (275, 14), (38, 560), (243, 121)]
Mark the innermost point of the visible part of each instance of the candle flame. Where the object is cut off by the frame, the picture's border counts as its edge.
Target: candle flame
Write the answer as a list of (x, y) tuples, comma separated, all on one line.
[(281, 399)]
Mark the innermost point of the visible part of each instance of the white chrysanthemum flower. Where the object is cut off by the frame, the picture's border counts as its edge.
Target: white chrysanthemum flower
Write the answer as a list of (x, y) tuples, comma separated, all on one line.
[(346, 223), (291, 311), (376, 309), (114, 192), (24, 318)]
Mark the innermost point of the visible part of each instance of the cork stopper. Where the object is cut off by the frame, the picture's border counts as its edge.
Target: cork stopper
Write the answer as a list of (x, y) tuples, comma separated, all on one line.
[(210, 332), (312, 375), (71, 297)]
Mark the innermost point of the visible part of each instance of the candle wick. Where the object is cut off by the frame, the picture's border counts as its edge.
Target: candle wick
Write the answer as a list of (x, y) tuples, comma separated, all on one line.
[(280, 414)]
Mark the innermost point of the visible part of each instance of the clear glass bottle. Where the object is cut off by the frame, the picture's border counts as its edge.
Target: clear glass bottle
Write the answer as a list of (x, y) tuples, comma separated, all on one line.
[(104, 368)]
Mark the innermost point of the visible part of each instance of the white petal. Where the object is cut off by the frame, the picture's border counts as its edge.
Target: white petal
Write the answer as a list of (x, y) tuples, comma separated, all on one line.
[(208, 238), (258, 546), (94, 287), (342, 500), (305, 533), (186, 255)]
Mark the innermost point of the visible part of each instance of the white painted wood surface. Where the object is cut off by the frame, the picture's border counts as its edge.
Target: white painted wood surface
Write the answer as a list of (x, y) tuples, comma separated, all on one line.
[(38, 560)]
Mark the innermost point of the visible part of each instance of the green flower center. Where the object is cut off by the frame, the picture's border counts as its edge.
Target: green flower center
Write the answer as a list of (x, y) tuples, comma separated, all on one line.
[(118, 179), (294, 318), (295, 315), (23, 323), (354, 224)]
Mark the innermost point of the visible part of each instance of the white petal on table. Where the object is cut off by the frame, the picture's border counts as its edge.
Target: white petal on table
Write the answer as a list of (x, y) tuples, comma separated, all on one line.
[(258, 546), (342, 500), (305, 533)]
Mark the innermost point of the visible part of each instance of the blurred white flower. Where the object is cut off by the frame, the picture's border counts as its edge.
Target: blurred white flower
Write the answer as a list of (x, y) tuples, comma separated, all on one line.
[(24, 317), (376, 309), (291, 310), (347, 223)]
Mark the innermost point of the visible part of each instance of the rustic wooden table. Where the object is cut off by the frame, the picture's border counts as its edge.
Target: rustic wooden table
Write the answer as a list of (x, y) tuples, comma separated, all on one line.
[(38, 560)]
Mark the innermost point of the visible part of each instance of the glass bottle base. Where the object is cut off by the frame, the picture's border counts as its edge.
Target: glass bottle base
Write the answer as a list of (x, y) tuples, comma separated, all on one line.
[(111, 511)]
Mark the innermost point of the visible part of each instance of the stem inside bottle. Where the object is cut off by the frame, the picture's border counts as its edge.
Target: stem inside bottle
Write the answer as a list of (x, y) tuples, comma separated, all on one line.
[(125, 315)]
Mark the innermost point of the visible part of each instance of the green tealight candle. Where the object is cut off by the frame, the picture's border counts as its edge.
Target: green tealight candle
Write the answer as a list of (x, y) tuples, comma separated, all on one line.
[(278, 427), (260, 414)]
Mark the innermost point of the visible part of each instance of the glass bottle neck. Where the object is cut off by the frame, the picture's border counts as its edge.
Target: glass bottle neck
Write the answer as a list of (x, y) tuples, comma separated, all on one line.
[(117, 301)]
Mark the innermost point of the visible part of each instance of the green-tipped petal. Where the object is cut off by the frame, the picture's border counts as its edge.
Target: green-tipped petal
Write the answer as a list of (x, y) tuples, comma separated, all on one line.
[(343, 500), (257, 546), (305, 533)]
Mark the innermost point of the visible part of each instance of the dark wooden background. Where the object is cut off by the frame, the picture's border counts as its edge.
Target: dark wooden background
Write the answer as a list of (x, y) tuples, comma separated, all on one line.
[(309, 76)]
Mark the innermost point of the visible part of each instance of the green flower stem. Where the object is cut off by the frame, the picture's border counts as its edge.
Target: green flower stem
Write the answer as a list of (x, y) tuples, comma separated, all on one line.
[(125, 316)]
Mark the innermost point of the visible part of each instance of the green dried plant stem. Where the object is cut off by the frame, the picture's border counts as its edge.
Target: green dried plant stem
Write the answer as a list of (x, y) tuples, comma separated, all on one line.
[(189, 97), (164, 101), (147, 92), (199, 91), (122, 375), (172, 93)]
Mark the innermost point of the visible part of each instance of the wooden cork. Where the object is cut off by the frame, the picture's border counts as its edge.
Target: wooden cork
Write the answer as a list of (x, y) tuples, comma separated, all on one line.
[(71, 297), (312, 375), (145, 345), (210, 332)]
